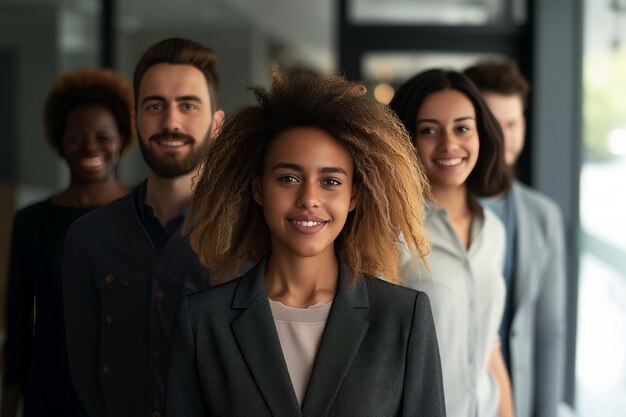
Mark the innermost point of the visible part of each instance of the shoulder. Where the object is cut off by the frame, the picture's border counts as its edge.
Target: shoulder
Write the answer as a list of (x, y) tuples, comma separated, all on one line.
[(392, 297), (533, 200), (31, 217), (33, 211), (213, 303), (105, 219)]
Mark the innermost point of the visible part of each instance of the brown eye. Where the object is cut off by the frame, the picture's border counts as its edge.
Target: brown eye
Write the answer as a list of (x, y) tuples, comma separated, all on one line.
[(289, 179), (427, 131), (331, 182)]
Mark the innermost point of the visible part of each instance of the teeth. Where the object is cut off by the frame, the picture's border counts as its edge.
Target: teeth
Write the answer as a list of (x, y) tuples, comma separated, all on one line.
[(449, 162), (306, 223), (172, 142), (91, 162)]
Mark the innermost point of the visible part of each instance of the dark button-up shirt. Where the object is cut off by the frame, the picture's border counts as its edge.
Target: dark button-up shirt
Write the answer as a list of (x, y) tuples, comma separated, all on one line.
[(121, 294), (158, 234)]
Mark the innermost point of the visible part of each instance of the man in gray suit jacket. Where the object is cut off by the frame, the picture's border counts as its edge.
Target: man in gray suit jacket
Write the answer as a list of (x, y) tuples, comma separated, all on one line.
[(533, 325)]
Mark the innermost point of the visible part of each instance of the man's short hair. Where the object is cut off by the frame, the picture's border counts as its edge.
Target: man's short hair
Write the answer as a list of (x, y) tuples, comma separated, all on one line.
[(180, 52), (499, 76)]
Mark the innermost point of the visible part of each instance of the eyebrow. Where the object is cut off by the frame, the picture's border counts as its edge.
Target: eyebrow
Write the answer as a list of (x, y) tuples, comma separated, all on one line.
[(181, 98), (324, 170), (458, 119)]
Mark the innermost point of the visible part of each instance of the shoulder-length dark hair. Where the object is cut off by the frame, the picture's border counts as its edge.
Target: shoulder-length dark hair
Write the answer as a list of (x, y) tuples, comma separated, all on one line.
[(490, 175)]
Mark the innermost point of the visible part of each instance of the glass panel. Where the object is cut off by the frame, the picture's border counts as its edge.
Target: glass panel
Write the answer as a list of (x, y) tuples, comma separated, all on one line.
[(384, 72), (601, 348), (436, 12), (601, 344)]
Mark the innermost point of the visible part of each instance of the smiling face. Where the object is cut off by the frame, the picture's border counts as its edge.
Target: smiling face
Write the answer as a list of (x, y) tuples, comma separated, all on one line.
[(447, 138), (174, 118), (306, 192), (91, 143)]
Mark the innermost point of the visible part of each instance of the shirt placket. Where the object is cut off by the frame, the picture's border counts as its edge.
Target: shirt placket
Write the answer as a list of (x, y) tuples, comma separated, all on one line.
[(160, 299), (472, 331)]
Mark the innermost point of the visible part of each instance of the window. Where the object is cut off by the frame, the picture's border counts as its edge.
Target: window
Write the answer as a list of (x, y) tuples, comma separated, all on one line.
[(601, 344)]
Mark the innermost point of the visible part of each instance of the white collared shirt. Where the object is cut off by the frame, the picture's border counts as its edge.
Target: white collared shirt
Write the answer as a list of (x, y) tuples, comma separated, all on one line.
[(467, 292)]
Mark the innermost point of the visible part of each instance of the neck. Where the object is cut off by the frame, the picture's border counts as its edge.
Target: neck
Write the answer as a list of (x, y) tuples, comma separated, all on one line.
[(302, 281), (94, 194), (454, 200), (168, 196)]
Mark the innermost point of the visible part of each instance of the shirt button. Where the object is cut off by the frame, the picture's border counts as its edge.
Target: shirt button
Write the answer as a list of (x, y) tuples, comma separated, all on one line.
[(156, 414), (108, 278), (108, 319), (106, 369), (160, 294), (157, 353)]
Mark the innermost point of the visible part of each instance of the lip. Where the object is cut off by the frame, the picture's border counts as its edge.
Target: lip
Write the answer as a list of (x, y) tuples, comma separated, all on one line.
[(171, 144), (307, 224), (91, 163)]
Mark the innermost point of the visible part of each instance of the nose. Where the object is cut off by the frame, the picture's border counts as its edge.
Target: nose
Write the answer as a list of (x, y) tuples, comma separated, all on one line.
[(171, 119), (447, 141), (90, 143), (308, 195)]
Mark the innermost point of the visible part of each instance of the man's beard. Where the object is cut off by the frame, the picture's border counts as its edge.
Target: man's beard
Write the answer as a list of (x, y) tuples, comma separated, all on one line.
[(170, 165)]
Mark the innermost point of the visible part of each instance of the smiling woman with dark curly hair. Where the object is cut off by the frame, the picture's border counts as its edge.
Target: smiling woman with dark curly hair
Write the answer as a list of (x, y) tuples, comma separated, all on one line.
[(314, 184), (87, 121)]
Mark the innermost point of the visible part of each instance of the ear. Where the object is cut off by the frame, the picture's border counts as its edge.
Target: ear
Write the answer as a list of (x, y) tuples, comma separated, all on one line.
[(256, 191), (353, 198), (218, 119)]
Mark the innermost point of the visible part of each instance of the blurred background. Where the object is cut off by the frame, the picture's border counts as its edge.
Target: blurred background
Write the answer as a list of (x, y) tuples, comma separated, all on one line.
[(572, 51)]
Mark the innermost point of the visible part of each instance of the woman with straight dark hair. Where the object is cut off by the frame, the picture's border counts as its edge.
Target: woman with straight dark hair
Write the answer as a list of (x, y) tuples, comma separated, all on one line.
[(460, 146)]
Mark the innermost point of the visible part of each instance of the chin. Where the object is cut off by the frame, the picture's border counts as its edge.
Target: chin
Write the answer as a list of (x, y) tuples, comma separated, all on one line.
[(309, 251), (91, 177)]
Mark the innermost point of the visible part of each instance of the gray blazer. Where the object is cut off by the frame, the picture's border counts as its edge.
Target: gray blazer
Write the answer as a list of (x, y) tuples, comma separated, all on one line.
[(378, 355), (537, 336)]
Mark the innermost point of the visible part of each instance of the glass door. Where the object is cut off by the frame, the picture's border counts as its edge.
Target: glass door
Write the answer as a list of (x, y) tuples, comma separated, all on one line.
[(601, 344)]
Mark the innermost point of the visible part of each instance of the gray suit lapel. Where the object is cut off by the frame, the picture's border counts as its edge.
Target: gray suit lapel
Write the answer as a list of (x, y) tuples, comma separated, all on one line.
[(258, 341), (342, 338), (522, 242)]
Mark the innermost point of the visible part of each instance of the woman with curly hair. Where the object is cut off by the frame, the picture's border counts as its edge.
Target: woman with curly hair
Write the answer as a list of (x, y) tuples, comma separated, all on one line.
[(87, 122), (460, 145), (314, 184)]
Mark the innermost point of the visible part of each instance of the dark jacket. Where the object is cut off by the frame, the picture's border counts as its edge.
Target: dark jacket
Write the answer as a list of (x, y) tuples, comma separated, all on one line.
[(120, 299), (378, 355)]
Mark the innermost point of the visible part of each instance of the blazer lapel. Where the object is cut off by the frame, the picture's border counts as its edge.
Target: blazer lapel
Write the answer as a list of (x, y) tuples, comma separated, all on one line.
[(522, 249), (344, 332), (258, 341)]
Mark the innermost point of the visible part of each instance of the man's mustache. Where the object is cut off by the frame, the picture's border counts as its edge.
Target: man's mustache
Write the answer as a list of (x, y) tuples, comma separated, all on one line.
[(166, 134)]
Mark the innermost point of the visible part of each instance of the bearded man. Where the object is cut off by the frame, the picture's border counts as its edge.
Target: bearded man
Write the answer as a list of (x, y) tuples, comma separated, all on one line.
[(127, 264)]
